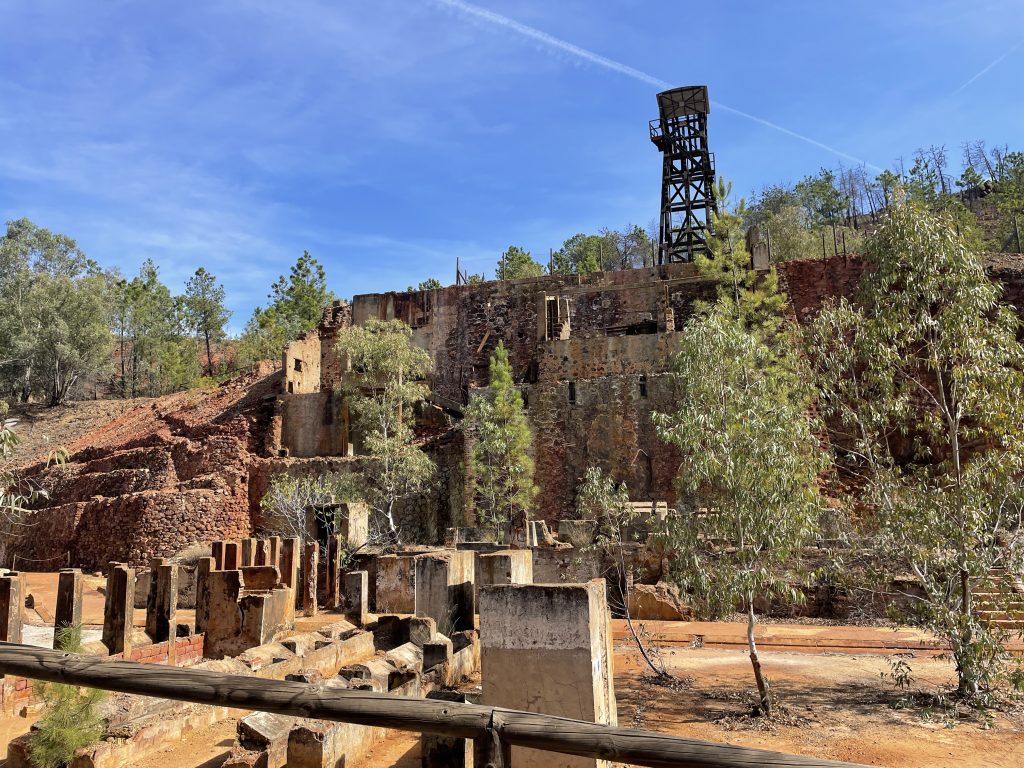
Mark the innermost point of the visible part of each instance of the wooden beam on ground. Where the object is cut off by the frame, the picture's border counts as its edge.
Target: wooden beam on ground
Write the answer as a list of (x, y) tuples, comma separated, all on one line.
[(502, 727)]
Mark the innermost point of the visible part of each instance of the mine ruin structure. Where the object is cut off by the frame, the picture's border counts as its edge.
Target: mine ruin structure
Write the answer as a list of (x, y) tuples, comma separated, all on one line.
[(687, 175), (591, 353)]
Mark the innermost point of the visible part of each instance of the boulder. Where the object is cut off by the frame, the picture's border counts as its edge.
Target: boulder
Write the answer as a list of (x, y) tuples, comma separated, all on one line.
[(657, 602)]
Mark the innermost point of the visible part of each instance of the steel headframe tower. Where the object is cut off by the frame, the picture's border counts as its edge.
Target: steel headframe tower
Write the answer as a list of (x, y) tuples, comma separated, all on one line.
[(688, 173)]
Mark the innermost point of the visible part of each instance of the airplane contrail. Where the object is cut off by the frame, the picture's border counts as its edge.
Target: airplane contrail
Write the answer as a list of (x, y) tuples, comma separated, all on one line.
[(583, 54), (991, 64)]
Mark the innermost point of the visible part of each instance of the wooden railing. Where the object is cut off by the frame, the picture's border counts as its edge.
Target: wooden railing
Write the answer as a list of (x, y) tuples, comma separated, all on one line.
[(493, 730)]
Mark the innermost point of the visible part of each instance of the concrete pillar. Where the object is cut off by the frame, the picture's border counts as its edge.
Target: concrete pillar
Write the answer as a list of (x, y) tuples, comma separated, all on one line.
[(248, 552), (357, 596), (262, 552), (203, 568), (217, 553), (548, 647), (232, 556), (445, 751), (310, 562), (335, 548), (291, 550), (354, 524), (68, 612), (119, 609), (512, 566), (444, 590), (11, 601), (162, 605), (275, 551)]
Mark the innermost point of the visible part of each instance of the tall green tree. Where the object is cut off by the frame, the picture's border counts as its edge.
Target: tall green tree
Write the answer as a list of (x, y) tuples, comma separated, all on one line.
[(54, 327), (296, 306), (921, 385), (157, 350), (385, 380), (517, 263), (205, 310), (500, 458), (579, 255), (747, 481), (753, 299)]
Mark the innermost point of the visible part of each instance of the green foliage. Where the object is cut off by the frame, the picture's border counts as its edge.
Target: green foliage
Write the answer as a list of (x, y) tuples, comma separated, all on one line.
[(296, 306), (54, 327), (748, 476), (579, 255), (820, 197), (157, 352), (608, 250), (921, 387), (516, 264), (500, 461), (383, 384), (752, 299), (70, 721), (205, 311), (600, 498), (430, 284)]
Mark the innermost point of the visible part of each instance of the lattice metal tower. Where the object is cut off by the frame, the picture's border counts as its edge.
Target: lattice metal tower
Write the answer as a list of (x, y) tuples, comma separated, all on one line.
[(688, 173)]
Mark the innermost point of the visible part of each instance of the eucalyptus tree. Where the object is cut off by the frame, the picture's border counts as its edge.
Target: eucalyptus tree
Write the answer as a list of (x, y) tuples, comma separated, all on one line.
[(748, 473), (750, 458), (920, 383), (385, 380)]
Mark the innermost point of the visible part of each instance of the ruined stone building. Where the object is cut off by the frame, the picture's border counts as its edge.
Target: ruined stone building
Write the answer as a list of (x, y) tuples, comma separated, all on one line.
[(591, 354)]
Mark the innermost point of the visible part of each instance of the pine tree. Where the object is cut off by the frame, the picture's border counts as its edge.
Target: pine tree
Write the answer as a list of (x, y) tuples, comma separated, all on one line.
[(501, 464), (71, 721), (205, 310)]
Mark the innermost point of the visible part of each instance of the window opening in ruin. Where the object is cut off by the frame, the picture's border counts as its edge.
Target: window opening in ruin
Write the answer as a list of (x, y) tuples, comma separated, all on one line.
[(643, 385), (298, 365), (291, 387), (572, 392), (551, 309)]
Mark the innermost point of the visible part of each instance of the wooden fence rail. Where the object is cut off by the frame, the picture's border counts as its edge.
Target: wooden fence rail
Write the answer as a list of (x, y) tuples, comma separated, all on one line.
[(493, 730)]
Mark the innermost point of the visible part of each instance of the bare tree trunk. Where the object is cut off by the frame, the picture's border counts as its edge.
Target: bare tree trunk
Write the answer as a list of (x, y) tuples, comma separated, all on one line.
[(209, 356), (762, 684), (968, 682)]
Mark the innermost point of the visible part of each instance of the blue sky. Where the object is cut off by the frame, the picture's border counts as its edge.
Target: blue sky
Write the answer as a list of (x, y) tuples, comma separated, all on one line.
[(388, 136)]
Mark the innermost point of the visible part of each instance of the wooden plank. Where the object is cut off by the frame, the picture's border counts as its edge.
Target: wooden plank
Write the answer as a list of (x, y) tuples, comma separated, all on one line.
[(499, 728)]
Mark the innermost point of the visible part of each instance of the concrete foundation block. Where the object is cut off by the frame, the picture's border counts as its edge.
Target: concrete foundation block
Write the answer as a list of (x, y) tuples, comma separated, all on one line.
[(357, 596), (547, 648), (444, 589), (310, 563), (394, 591), (232, 556), (513, 566)]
